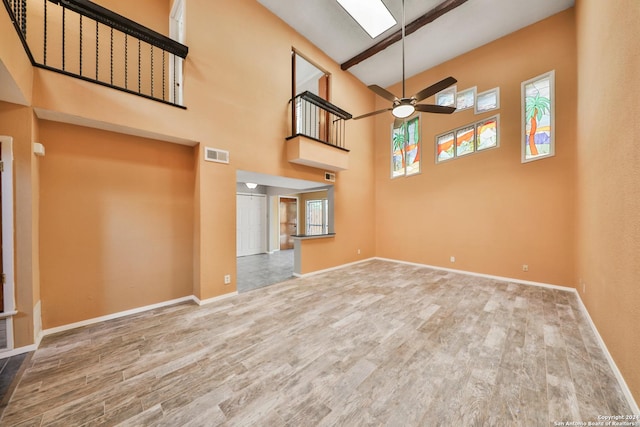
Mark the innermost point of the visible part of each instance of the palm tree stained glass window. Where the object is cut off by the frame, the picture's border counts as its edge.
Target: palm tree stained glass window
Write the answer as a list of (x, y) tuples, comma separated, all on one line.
[(405, 148), (538, 117)]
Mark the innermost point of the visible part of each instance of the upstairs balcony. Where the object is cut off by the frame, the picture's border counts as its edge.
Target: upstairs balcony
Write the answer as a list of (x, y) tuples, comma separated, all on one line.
[(81, 39), (317, 134)]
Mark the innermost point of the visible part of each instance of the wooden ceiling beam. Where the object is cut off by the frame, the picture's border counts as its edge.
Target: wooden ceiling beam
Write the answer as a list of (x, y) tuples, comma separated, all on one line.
[(444, 7)]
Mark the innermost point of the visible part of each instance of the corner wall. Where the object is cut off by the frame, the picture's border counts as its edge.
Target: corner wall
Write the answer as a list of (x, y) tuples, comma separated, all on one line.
[(608, 176), (487, 209)]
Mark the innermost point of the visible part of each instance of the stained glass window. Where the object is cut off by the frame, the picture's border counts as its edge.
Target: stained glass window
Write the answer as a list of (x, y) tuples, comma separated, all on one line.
[(405, 148), (538, 117), (487, 134), (465, 140), (468, 139)]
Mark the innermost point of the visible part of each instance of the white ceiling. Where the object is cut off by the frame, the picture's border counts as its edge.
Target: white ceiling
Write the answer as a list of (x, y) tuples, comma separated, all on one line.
[(473, 24), (288, 185)]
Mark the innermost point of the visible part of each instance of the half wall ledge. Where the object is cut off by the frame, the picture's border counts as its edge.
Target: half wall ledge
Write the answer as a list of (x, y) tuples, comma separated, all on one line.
[(308, 151)]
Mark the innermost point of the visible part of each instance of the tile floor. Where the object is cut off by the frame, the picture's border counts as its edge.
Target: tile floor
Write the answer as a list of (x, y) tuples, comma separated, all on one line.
[(377, 343), (257, 271)]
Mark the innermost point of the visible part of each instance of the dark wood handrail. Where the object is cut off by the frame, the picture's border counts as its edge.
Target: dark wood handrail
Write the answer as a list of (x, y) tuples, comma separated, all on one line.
[(119, 22), (324, 104)]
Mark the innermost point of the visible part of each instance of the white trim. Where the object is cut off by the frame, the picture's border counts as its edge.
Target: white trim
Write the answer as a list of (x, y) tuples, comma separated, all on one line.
[(17, 351), (37, 322), (314, 273), (177, 24), (8, 234), (6, 314), (115, 315), (486, 276), (623, 384), (214, 299)]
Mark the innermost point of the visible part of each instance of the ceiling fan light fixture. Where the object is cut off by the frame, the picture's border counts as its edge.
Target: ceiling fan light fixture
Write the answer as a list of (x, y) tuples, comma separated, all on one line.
[(251, 185), (402, 111)]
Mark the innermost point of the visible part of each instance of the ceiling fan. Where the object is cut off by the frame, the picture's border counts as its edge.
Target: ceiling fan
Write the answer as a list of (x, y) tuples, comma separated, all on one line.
[(406, 106)]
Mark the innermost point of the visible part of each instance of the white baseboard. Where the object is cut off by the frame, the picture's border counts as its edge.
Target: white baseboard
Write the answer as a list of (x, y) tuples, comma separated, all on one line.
[(313, 273), (16, 351), (214, 299), (486, 276), (115, 315)]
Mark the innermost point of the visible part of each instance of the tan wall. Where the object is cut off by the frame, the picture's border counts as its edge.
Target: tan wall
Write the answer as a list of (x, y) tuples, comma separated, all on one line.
[(116, 222), (608, 176), (153, 14), (16, 62), (491, 212), (19, 122)]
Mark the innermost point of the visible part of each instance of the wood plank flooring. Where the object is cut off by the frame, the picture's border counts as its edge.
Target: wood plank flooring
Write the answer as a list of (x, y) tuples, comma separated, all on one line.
[(377, 343)]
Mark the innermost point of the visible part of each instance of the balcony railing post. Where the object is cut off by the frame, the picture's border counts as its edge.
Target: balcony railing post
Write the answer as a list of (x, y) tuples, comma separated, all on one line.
[(316, 118)]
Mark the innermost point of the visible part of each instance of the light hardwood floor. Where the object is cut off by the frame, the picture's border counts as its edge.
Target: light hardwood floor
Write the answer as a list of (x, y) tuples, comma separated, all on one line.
[(377, 343)]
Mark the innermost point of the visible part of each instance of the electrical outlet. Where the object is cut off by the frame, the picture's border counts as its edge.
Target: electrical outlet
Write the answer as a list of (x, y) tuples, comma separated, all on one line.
[(525, 267), (452, 259), (358, 251), (227, 279), (584, 287)]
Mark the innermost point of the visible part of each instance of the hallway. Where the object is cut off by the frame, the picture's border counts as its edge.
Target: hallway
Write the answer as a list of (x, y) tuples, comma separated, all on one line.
[(257, 271)]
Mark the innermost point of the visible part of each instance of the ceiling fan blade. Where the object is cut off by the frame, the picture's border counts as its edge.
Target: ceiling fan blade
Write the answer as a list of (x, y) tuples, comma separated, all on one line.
[(438, 109), (383, 93), (373, 113), (434, 88)]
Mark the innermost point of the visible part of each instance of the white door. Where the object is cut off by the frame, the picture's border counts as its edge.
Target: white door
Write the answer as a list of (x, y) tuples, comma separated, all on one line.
[(176, 32), (251, 219)]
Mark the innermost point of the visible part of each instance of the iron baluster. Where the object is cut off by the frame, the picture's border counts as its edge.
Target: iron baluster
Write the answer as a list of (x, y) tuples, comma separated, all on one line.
[(126, 61), (139, 66), (63, 34), (80, 44), (45, 32), (111, 57), (151, 69), (163, 74), (97, 50)]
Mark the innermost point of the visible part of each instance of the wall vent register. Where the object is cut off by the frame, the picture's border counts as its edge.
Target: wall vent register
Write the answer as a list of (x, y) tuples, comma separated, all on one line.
[(216, 155)]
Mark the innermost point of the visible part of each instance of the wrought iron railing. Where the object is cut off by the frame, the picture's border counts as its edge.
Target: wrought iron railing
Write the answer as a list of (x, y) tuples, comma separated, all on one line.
[(318, 119), (81, 39)]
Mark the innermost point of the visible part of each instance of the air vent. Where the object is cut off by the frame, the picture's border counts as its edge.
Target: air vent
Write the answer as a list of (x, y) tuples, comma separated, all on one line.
[(331, 177), (215, 155)]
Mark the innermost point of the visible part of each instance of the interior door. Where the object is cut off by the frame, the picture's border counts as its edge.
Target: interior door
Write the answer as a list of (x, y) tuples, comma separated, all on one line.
[(251, 232), (288, 221)]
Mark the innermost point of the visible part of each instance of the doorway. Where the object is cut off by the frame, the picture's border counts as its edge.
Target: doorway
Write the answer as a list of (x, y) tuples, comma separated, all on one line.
[(251, 223), (288, 221), (6, 243)]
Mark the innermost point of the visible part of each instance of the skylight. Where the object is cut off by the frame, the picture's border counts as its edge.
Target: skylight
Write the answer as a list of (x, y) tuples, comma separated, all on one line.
[(372, 15)]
